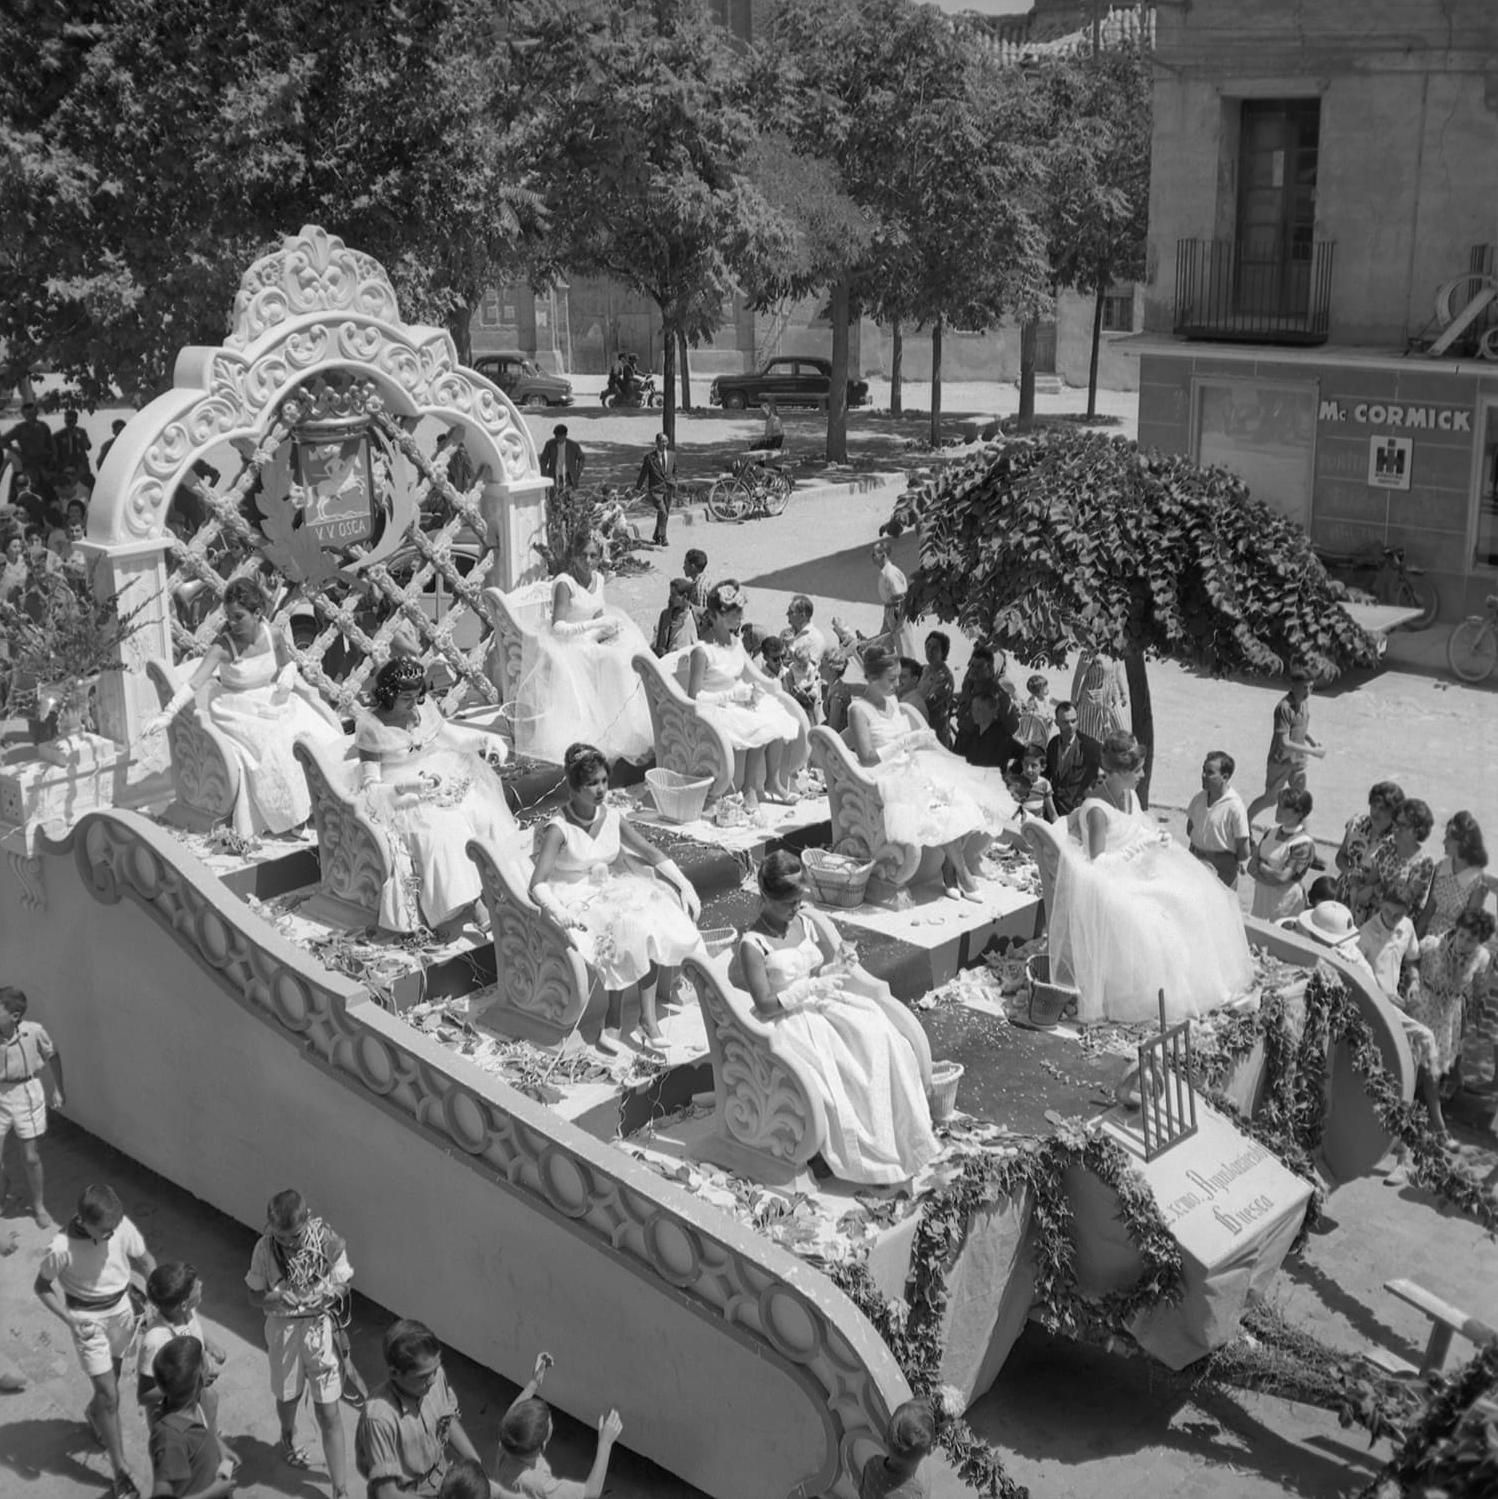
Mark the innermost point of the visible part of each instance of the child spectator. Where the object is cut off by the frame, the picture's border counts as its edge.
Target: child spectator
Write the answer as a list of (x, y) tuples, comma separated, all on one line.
[(1037, 718), (299, 1270), (466, 1479), (175, 1293), (750, 637), (1279, 863), (30, 1079), (910, 1438), (523, 1435), (694, 565), (1387, 940), (836, 694), (676, 629), (1028, 785), (1322, 888), (85, 1281), (772, 657), (186, 1459)]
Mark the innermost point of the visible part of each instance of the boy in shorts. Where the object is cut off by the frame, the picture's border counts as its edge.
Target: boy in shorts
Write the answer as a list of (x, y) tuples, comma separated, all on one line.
[(299, 1270), (85, 1281), (30, 1079), (187, 1459), (175, 1292), (1291, 744)]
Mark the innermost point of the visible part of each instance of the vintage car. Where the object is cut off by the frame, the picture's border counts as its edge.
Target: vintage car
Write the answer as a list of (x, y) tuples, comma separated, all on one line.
[(790, 380), (523, 380)]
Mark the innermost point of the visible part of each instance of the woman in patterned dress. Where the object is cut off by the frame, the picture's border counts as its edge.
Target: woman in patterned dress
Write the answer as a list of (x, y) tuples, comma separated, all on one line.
[(1100, 694), (1458, 884), (1364, 835), (1398, 862)]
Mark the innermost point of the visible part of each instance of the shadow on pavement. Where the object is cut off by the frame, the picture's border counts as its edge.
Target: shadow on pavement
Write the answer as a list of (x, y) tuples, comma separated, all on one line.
[(261, 1467), (31, 1448), (1359, 1316)]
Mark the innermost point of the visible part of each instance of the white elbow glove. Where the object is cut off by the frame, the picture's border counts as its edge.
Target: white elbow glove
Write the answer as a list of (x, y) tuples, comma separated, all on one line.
[(179, 700), (572, 629), (670, 871), (369, 775)]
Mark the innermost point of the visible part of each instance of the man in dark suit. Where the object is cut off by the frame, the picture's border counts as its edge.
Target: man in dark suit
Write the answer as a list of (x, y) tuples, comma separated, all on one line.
[(992, 742), (1071, 762), (658, 480), (562, 461)]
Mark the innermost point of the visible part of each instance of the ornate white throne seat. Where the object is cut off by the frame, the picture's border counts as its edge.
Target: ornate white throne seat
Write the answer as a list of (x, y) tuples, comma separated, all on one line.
[(769, 1118), (688, 742), (857, 811), (515, 615), (205, 770), (353, 851)]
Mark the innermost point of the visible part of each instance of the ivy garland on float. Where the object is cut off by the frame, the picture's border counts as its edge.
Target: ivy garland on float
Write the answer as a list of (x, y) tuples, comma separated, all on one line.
[(1274, 1358)]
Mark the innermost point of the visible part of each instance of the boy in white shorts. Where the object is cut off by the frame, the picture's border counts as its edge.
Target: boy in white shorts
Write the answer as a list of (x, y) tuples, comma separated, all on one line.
[(30, 1079), (299, 1270), (85, 1280)]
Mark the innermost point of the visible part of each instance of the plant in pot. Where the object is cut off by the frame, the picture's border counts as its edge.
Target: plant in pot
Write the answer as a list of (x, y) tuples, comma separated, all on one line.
[(58, 637)]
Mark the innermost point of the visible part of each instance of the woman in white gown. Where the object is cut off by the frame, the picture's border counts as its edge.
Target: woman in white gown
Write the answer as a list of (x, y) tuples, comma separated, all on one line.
[(430, 785), (791, 962), (932, 798), (1134, 912), (736, 694), (257, 700), (578, 680), (630, 908)]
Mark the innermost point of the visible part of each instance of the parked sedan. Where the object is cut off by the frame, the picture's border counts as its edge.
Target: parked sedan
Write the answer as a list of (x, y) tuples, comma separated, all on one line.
[(523, 380), (791, 380)]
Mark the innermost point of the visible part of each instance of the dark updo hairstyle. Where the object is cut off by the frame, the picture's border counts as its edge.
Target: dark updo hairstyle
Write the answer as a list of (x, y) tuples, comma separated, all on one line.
[(780, 875), (1417, 816), (1297, 801), (1121, 751), (582, 762), (1479, 923), (877, 661), (395, 677), (1386, 794), (1470, 848), (248, 594)]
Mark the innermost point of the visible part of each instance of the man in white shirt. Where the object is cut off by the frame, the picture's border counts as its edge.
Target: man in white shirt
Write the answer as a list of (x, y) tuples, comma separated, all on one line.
[(1217, 820), (805, 645)]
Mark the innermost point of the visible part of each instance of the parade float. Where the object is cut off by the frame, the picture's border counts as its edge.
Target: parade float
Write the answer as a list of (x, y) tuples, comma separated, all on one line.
[(230, 1019)]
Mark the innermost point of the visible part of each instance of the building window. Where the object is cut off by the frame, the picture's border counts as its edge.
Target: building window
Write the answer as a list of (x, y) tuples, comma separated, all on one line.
[(1265, 434), (1118, 311), (1278, 156), (489, 310)]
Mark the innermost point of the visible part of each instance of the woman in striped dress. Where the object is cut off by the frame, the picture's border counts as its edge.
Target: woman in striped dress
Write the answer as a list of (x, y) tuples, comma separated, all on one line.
[(1100, 693)]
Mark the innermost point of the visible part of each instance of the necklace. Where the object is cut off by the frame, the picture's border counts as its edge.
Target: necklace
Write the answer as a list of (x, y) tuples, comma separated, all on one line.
[(573, 816)]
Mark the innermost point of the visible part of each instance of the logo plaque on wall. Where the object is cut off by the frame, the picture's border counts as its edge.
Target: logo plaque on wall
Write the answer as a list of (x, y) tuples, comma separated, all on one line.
[(1389, 462)]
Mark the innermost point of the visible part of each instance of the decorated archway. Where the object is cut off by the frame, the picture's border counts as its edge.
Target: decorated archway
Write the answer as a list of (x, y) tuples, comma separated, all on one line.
[(316, 357)]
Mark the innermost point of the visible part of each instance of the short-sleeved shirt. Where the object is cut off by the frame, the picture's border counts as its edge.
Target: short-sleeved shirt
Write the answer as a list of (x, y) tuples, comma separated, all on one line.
[(1292, 720), (404, 1439), (1217, 828), (879, 1482), (184, 1454), (265, 1270), (535, 1479), (94, 1273), (25, 1053), (157, 1333), (1388, 949)]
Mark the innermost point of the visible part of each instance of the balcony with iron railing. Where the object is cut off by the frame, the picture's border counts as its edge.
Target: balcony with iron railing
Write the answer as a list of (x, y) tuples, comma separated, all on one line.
[(1224, 293)]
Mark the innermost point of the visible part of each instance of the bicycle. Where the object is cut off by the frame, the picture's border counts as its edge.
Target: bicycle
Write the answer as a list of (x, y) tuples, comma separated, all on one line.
[(1472, 649), (1394, 582), (755, 487)]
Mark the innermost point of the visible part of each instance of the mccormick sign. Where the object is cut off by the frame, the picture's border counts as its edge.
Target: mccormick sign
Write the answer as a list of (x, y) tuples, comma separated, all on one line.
[(1395, 414)]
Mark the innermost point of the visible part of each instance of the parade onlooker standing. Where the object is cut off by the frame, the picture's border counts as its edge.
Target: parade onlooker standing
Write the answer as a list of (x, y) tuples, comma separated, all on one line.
[(938, 686), (1457, 884), (1362, 838), (72, 445), (85, 1281), (175, 1293), (1290, 744), (1387, 940), (1072, 765), (299, 1270), (523, 1435), (30, 1079), (31, 437), (187, 1459), (658, 479), (1217, 821), (805, 645), (562, 460), (1280, 861), (1399, 862), (411, 1425), (1100, 693), (115, 428)]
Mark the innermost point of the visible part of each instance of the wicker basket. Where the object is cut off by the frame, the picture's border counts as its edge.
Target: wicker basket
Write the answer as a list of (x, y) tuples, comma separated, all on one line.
[(1049, 1001), (835, 879), (944, 1079), (678, 798), (718, 939)]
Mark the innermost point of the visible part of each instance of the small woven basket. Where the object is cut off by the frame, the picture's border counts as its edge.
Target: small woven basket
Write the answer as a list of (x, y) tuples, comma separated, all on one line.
[(835, 879), (944, 1079), (718, 939), (678, 798), (1049, 1001)]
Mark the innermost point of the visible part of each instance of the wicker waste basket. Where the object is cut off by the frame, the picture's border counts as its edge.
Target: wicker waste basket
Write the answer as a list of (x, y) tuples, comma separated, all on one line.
[(1049, 1001), (836, 879), (944, 1079), (678, 798)]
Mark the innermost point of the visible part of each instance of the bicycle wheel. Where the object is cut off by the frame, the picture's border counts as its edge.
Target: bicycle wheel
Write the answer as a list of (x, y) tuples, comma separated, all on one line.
[(778, 489), (728, 499), (1412, 594), (1472, 649)]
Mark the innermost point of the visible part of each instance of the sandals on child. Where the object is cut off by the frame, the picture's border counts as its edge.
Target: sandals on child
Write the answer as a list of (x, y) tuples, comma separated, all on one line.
[(124, 1487), (292, 1455)]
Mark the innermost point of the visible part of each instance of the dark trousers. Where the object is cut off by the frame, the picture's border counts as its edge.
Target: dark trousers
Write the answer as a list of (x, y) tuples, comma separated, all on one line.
[(1224, 865), (661, 499)]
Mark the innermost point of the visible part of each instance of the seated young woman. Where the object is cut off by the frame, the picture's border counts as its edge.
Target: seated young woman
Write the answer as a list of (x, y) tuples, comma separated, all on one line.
[(431, 784), (735, 693), (258, 701), (819, 1001), (630, 922), (1134, 912), (932, 798), (578, 680)]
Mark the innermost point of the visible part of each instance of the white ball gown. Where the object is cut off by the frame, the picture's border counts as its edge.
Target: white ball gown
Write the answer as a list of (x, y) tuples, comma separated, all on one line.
[(878, 1120), (931, 796), (1145, 915), (748, 725), (435, 793), (578, 683), (630, 919), (262, 719)]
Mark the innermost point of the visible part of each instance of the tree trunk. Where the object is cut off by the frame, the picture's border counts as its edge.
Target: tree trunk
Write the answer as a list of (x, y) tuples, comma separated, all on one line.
[(460, 327), (936, 383), (1097, 339), (1142, 716), (668, 381), (896, 371), (686, 372), (1029, 333), (837, 395)]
